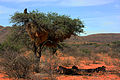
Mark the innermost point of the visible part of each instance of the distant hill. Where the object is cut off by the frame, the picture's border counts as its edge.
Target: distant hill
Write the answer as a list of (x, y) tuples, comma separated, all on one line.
[(4, 31), (101, 38), (1, 26)]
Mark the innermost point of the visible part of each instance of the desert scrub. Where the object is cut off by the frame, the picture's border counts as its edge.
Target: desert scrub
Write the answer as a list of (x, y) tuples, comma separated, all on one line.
[(77, 45), (15, 65), (84, 52), (10, 45)]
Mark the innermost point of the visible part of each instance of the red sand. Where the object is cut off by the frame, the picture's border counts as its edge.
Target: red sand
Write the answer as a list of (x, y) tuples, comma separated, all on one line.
[(102, 77), (2, 77), (115, 75)]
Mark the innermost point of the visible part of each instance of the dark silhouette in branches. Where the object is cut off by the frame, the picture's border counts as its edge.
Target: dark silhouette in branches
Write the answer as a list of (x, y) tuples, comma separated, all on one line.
[(25, 10)]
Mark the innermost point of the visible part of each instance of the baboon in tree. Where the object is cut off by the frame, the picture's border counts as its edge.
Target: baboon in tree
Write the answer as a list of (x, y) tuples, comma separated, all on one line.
[(25, 10)]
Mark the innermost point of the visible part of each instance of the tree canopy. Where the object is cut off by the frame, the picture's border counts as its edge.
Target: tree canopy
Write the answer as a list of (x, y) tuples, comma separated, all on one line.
[(59, 26), (50, 27)]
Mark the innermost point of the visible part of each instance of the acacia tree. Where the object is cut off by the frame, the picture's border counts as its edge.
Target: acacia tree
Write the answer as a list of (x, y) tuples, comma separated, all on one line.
[(46, 29)]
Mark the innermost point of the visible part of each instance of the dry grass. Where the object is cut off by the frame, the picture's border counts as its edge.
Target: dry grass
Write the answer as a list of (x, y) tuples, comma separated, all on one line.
[(18, 65), (15, 65)]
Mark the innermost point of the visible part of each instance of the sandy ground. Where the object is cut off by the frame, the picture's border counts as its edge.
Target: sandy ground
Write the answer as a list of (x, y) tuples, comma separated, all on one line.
[(109, 75), (2, 77), (112, 73)]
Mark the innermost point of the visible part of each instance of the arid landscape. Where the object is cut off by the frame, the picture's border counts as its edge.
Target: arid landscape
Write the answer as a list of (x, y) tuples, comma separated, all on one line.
[(85, 52), (59, 39)]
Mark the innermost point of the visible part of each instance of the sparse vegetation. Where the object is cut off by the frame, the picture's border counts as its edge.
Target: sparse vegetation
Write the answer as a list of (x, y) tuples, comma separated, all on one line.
[(16, 63)]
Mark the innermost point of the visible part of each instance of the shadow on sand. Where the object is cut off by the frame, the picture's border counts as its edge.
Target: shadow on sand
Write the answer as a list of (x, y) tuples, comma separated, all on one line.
[(75, 71)]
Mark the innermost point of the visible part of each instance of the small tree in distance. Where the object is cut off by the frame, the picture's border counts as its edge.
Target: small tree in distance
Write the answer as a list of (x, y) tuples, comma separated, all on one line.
[(46, 29)]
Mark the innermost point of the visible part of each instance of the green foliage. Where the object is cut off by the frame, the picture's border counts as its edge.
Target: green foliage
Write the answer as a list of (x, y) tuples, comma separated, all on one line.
[(77, 45), (116, 47), (116, 42), (18, 39), (85, 51), (9, 45), (59, 27), (1, 47)]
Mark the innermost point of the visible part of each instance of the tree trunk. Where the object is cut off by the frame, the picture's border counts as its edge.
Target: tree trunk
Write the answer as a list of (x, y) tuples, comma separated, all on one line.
[(35, 49)]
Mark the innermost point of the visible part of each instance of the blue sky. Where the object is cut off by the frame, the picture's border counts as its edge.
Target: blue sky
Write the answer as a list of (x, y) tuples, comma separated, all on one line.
[(99, 16)]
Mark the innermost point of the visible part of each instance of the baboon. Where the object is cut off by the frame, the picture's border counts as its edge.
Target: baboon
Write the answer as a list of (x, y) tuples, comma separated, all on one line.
[(25, 10), (26, 20)]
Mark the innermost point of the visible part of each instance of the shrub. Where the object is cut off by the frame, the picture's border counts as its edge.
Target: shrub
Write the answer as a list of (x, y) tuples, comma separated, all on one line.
[(15, 65)]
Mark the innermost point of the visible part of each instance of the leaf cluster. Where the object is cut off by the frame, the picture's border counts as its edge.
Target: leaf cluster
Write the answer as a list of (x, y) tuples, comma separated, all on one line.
[(59, 27)]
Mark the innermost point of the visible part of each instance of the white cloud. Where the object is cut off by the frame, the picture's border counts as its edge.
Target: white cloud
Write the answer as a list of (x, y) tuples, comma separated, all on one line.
[(84, 2)]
